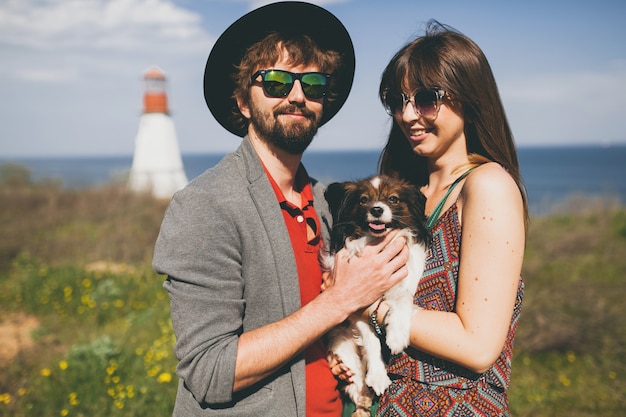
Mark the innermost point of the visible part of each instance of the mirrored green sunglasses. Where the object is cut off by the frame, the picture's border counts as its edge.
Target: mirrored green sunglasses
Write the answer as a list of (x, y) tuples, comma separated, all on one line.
[(278, 83)]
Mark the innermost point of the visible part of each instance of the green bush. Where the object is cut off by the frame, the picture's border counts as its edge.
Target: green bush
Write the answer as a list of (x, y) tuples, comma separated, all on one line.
[(111, 339)]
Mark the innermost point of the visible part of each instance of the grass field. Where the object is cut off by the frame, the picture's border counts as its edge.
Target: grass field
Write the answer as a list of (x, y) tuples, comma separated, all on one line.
[(85, 328)]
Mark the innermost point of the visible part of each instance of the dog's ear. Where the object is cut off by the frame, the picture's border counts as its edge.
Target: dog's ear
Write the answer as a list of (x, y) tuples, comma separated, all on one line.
[(335, 195)]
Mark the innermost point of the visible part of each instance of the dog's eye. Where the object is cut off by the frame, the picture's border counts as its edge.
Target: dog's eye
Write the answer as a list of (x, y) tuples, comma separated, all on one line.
[(393, 199), (364, 199)]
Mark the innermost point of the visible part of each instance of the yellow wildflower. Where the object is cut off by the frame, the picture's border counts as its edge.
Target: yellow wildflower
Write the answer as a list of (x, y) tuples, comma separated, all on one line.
[(164, 377)]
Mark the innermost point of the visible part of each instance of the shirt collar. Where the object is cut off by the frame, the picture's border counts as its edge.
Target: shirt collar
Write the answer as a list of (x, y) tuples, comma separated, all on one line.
[(302, 185)]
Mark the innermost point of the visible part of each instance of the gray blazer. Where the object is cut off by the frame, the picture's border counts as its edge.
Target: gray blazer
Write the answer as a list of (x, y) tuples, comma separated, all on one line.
[(226, 251)]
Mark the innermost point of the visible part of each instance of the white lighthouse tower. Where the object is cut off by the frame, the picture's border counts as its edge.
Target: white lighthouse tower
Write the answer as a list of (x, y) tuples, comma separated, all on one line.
[(157, 165)]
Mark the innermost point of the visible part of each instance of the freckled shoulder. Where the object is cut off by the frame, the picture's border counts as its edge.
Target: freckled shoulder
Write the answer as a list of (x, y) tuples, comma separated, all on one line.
[(490, 178), (489, 189)]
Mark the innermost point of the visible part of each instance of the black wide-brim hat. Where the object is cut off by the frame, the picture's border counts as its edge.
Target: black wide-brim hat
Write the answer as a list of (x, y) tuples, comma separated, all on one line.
[(285, 17)]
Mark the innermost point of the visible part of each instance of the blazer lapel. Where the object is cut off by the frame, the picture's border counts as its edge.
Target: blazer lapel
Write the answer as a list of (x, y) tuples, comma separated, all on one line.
[(271, 215), (287, 283)]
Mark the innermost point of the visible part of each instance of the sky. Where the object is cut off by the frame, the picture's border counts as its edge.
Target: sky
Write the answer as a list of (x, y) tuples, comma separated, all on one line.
[(71, 70)]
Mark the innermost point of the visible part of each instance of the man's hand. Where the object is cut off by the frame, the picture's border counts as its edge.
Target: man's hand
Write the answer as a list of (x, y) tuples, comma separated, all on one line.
[(358, 281)]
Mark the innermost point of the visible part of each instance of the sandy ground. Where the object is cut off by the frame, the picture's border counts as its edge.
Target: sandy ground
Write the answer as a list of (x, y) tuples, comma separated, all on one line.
[(15, 336)]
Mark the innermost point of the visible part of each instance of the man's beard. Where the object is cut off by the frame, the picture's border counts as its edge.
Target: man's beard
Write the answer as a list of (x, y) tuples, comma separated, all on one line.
[(292, 137)]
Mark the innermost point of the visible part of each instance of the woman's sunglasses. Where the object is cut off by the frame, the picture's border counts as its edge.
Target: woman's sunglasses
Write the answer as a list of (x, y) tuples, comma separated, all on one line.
[(425, 102), (278, 83)]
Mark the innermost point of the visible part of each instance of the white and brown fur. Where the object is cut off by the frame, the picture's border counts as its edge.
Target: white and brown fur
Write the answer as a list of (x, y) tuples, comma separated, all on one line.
[(364, 211)]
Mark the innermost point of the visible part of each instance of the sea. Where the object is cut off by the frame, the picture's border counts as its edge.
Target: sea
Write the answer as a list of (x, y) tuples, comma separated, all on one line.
[(556, 178)]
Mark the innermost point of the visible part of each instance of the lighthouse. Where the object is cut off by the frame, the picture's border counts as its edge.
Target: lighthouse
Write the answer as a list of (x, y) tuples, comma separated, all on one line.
[(157, 165)]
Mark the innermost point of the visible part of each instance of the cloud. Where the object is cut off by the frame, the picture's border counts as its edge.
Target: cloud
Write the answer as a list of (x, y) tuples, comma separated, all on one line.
[(63, 40), (94, 23), (44, 75), (568, 106), (570, 85)]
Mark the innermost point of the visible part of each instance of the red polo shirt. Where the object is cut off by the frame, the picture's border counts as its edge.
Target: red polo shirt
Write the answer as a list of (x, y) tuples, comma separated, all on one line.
[(322, 395)]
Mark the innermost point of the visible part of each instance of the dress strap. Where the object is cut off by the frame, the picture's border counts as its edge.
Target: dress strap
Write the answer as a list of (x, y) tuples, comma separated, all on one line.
[(437, 211)]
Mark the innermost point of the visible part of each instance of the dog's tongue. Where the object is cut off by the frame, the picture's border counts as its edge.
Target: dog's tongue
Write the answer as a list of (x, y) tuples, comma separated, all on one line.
[(377, 226)]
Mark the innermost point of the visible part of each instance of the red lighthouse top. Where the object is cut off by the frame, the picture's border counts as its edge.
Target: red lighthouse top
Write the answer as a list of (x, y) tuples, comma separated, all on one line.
[(154, 98)]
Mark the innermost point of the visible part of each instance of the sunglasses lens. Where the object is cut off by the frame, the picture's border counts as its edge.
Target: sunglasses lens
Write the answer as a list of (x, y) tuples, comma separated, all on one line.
[(426, 102), (393, 103), (314, 84), (277, 83)]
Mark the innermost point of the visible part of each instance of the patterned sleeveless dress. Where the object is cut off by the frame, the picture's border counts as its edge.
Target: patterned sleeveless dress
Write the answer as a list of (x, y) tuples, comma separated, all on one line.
[(424, 385)]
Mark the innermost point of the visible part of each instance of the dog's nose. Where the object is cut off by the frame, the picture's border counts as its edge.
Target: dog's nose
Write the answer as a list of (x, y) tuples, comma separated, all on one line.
[(376, 211)]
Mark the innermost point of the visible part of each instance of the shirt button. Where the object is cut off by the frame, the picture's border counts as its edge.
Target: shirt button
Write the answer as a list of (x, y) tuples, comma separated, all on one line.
[(300, 218)]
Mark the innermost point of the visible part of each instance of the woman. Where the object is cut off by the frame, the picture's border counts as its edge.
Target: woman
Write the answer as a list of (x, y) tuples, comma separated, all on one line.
[(450, 137)]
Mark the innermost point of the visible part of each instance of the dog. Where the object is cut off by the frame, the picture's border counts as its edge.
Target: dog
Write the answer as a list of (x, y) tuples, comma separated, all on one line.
[(363, 211)]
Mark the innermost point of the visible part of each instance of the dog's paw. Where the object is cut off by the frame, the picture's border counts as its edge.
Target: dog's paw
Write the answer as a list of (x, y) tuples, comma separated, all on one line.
[(361, 413), (378, 381), (353, 391), (397, 341), (380, 385)]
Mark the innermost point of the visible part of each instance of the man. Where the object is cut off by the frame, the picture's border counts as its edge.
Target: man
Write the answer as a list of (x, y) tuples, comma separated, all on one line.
[(239, 244)]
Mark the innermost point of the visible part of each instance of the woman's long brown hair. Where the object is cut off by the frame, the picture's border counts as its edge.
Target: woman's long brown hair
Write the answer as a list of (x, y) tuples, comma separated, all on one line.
[(447, 59)]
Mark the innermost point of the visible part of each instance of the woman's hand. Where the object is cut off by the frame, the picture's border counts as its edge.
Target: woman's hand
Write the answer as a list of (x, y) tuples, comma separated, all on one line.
[(339, 369), (327, 280)]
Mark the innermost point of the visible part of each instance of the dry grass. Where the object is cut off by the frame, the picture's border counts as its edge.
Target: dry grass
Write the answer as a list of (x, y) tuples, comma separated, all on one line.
[(59, 225), (574, 271)]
